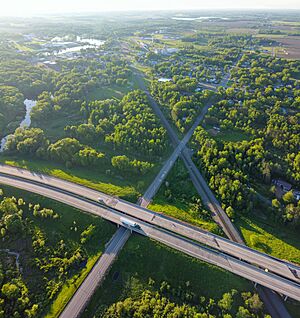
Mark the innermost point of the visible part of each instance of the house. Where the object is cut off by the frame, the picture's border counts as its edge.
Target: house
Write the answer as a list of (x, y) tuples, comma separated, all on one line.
[(283, 185)]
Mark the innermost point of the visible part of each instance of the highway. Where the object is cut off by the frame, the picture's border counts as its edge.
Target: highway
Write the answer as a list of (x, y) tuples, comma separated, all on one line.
[(285, 269), (234, 265), (151, 191)]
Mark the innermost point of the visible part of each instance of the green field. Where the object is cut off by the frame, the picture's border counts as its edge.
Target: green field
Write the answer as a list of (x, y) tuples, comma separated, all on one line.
[(129, 188), (113, 91), (231, 135), (54, 231), (178, 200), (142, 259), (275, 239), (182, 211)]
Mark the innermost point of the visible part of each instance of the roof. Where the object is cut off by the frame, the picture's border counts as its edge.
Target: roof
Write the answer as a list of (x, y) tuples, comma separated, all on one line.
[(283, 184)]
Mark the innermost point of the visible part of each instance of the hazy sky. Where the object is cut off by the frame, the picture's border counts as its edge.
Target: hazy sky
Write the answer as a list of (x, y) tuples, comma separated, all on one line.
[(28, 7)]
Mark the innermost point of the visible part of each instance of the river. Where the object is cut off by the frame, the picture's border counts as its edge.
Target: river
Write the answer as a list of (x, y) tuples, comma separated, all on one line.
[(29, 104)]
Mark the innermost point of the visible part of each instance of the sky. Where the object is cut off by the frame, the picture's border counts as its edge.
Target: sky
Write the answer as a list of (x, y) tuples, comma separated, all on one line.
[(36, 7)]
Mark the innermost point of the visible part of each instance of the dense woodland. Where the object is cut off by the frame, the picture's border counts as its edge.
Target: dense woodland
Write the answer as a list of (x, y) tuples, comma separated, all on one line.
[(12, 109), (127, 125), (180, 302), (263, 107), (180, 100)]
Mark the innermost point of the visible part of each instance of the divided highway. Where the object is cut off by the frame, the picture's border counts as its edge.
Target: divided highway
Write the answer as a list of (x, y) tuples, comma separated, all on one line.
[(251, 272), (285, 269), (200, 184)]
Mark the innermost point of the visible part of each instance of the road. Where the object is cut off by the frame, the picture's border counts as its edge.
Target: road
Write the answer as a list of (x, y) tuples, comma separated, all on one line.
[(273, 304), (86, 290), (234, 265), (149, 194), (285, 269), (157, 182), (208, 198)]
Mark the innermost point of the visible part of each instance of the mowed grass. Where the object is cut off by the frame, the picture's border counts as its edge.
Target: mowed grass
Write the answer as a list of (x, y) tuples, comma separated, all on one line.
[(114, 91), (277, 240), (93, 178), (233, 136), (179, 204), (142, 259), (56, 230), (183, 212)]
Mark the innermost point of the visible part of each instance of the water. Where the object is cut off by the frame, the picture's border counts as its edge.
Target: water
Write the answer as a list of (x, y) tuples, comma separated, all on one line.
[(94, 42), (88, 44), (199, 18), (163, 79), (29, 104)]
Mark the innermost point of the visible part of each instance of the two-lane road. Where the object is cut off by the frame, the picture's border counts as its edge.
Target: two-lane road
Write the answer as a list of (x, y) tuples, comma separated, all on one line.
[(86, 290)]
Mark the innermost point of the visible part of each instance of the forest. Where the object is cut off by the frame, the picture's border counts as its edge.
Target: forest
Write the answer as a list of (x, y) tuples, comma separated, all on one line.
[(42, 250), (262, 104)]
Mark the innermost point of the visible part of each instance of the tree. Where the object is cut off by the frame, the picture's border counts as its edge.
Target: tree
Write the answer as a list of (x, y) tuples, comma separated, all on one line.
[(288, 197), (226, 302), (10, 290), (230, 212), (121, 163)]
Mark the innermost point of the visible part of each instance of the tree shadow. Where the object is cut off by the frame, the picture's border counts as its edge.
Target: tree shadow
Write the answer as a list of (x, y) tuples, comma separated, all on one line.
[(264, 247)]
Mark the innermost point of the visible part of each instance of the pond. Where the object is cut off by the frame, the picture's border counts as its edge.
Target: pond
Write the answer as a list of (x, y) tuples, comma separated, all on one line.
[(88, 44)]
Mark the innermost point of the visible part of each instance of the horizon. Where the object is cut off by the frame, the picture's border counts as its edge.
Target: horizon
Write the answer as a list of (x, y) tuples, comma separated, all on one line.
[(32, 8)]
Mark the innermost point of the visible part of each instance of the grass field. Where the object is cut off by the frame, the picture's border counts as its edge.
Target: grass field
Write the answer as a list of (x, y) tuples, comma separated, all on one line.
[(113, 91), (54, 232), (142, 259), (180, 204), (275, 239), (182, 211), (229, 135), (54, 129), (96, 179)]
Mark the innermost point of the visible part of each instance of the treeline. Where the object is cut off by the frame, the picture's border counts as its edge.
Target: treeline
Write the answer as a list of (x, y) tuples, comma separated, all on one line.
[(69, 151), (180, 302), (12, 109)]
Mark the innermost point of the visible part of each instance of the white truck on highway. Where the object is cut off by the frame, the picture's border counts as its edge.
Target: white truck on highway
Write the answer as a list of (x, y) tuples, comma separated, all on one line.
[(129, 223)]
